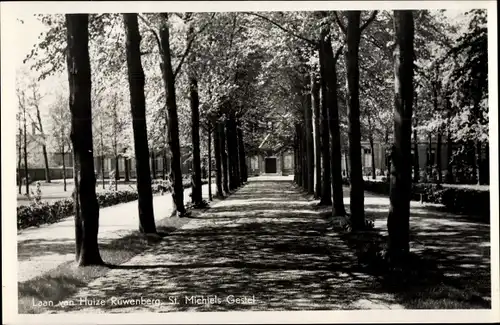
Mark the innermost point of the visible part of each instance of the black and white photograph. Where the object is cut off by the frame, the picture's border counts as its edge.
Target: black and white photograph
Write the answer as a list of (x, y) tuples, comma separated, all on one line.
[(217, 160)]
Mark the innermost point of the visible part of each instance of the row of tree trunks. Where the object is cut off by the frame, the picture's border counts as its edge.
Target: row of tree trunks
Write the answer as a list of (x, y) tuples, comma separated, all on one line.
[(209, 146), (223, 154), (299, 155), (233, 155)]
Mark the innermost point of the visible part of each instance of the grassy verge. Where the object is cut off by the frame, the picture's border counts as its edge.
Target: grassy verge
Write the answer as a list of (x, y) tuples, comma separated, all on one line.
[(420, 281), (66, 279)]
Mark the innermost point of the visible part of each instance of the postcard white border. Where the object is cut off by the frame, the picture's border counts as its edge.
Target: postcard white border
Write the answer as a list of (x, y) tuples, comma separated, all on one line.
[(9, 12)]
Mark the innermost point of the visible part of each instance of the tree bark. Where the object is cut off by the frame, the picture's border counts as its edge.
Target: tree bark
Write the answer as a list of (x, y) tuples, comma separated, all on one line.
[(20, 157), (138, 109), (172, 120), (429, 157), (398, 221), (44, 145), (326, 187), (352, 63), (209, 164), (196, 189), (416, 167), (438, 157), (86, 205), (309, 141), (218, 161), (223, 155), (372, 148), (127, 169), (25, 153), (63, 149), (316, 104), (242, 156)]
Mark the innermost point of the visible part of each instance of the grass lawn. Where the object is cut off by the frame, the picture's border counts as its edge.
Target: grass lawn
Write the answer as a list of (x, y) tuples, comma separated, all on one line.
[(66, 279)]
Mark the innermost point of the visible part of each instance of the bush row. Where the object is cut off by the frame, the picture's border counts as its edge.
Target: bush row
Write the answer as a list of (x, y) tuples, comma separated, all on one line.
[(462, 200), (36, 214)]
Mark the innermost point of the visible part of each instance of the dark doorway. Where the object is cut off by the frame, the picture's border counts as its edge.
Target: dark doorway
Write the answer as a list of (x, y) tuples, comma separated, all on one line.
[(270, 165)]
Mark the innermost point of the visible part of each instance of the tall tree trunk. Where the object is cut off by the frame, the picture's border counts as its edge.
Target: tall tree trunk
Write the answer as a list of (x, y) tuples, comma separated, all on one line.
[(20, 157), (330, 70), (127, 169), (86, 205), (438, 157), (172, 120), (372, 148), (352, 63), (242, 157), (398, 221), (308, 129), (299, 161), (209, 164), (44, 145), (305, 172), (218, 161), (296, 157), (477, 161), (153, 164), (25, 153), (164, 163), (64, 165), (449, 158), (196, 190), (236, 153), (138, 109), (416, 167), (429, 157), (230, 153), (326, 186), (316, 104), (223, 155), (346, 164)]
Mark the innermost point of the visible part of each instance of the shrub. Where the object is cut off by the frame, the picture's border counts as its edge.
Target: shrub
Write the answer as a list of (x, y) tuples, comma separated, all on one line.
[(462, 200), (40, 212)]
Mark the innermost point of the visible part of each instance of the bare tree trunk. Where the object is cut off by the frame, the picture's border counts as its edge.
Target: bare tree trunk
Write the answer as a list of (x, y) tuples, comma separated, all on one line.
[(438, 157), (44, 144), (196, 190), (429, 157), (218, 160), (352, 63), (172, 120), (398, 221), (308, 129), (86, 205), (20, 157), (242, 156), (326, 186), (223, 154), (372, 148), (449, 158), (209, 164), (316, 104), (127, 169), (138, 109), (416, 167), (64, 163), (26, 174)]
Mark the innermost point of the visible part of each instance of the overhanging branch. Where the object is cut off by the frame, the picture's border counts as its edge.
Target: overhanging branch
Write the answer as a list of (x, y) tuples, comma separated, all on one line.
[(369, 21), (305, 39)]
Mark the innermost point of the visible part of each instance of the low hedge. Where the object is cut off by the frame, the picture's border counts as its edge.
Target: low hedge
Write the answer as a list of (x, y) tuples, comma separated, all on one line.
[(36, 214), (462, 200)]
